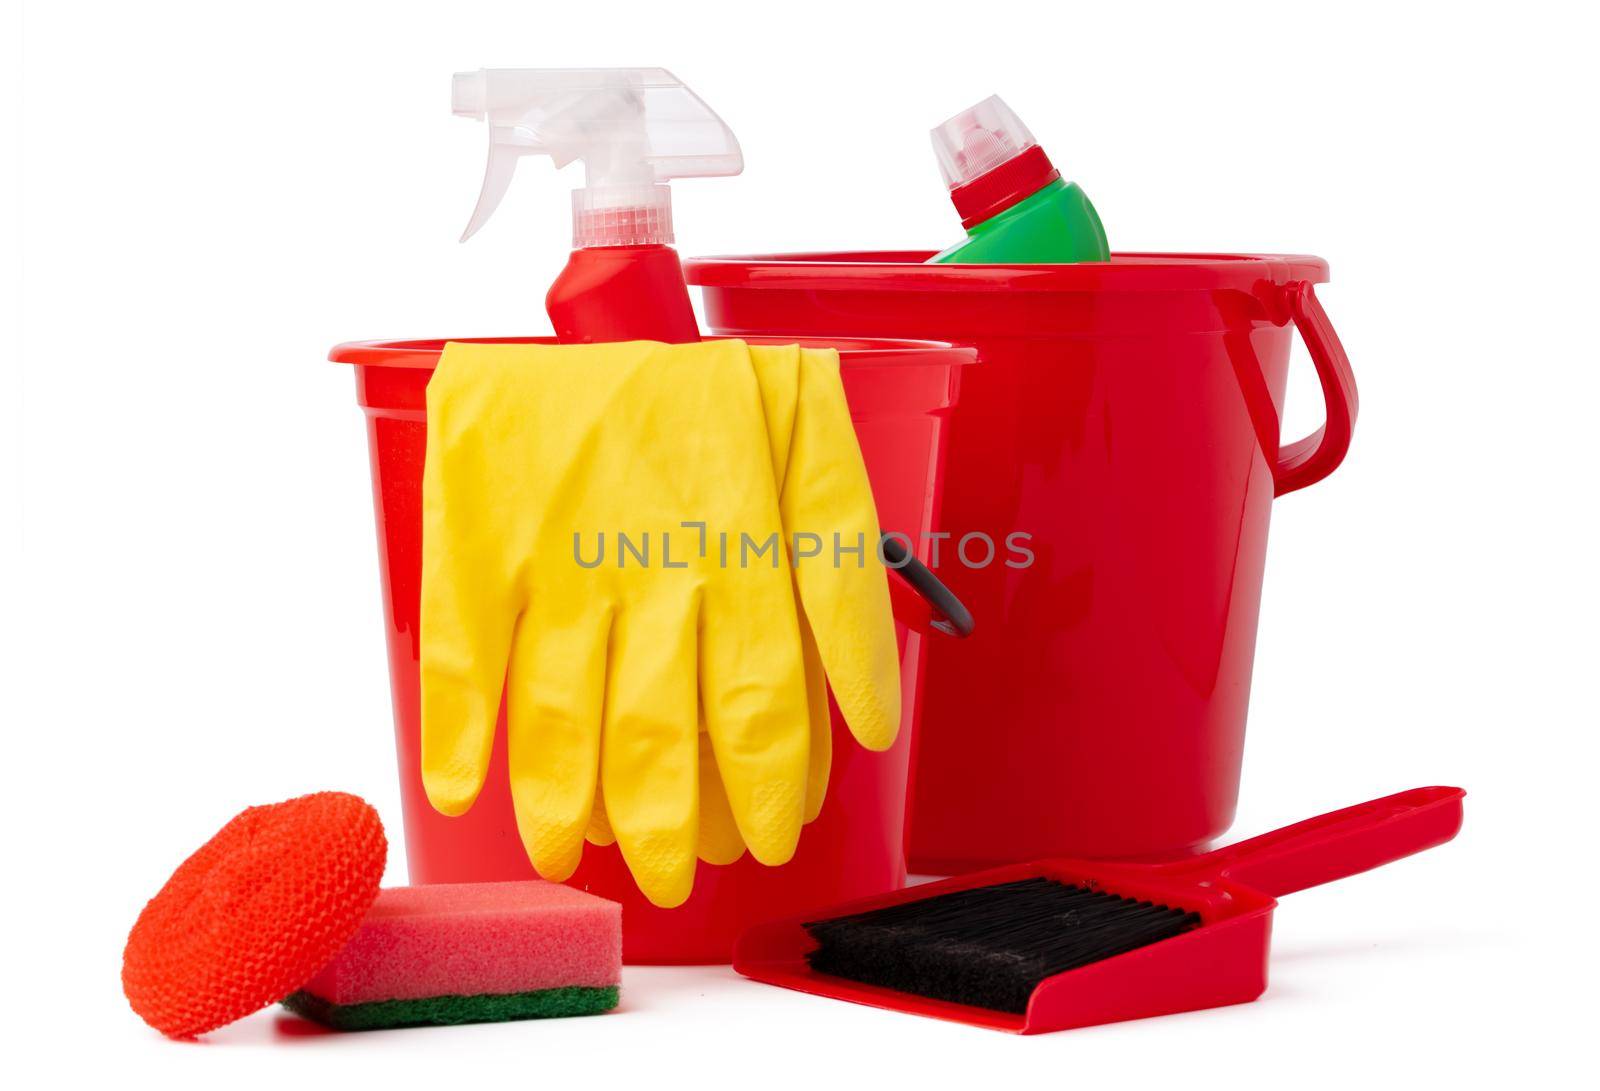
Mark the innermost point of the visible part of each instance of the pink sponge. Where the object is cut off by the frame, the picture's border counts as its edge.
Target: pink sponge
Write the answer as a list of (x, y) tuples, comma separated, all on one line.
[(471, 952)]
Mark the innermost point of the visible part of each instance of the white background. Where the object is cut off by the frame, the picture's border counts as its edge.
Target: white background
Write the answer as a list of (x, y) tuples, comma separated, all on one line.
[(213, 194)]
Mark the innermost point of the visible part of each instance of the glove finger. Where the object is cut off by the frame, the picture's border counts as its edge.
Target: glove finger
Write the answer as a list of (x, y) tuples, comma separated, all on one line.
[(753, 695), (467, 610), (820, 719), (844, 589), (719, 842), (553, 706), (599, 832), (648, 750), (777, 370)]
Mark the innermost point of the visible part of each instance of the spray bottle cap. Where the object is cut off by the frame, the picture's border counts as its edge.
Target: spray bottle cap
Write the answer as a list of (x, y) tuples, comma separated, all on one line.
[(989, 160), (634, 129)]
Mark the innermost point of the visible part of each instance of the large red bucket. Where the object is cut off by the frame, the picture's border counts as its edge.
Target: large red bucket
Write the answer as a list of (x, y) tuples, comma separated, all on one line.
[(899, 394), (1126, 418)]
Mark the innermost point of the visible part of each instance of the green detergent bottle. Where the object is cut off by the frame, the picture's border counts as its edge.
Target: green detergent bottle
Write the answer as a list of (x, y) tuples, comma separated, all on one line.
[(1013, 202)]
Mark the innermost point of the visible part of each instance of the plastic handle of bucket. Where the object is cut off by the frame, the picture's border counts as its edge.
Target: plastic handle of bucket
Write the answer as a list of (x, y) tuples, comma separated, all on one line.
[(926, 603), (1311, 459)]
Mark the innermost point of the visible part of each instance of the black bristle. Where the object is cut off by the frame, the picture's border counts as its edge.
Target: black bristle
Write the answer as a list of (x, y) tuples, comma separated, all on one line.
[(989, 946)]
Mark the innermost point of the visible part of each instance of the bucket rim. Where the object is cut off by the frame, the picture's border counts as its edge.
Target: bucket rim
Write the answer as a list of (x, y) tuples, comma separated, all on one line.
[(904, 270), (423, 352)]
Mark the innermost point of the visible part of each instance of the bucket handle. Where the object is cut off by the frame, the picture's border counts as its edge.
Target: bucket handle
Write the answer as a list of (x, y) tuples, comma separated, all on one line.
[(921, 600), (1307, 461)]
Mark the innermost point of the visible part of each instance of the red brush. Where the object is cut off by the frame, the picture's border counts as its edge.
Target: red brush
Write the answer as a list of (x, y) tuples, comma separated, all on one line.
[(1073, 943)]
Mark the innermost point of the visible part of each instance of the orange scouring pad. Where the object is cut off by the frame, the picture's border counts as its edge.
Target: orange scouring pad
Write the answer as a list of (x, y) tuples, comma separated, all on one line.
[(254, 913)]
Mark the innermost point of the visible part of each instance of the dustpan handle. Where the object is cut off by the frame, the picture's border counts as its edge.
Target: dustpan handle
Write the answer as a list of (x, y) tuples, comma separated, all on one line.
[(1335, 845)]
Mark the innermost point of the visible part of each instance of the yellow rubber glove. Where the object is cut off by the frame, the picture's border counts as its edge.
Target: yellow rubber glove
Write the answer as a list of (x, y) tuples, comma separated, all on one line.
[(846, 621), (610, 668), (495, 455)]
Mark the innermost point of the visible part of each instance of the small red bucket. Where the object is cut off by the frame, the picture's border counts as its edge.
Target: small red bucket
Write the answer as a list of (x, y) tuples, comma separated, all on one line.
[(899, 394), (1126, 419)]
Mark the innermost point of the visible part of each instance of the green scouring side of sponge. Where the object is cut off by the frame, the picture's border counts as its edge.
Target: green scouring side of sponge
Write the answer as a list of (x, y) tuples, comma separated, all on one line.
[(450, 1010)]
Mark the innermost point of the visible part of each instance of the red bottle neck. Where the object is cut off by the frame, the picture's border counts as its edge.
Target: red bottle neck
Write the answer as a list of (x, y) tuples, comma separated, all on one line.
[(996, 190), (622, 293)]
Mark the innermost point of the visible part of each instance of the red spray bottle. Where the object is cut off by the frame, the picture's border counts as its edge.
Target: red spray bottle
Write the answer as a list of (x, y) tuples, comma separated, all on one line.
[(634, 129)]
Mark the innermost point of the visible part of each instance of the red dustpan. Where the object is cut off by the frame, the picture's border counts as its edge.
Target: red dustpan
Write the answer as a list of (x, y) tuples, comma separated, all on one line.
[(1223, 961)]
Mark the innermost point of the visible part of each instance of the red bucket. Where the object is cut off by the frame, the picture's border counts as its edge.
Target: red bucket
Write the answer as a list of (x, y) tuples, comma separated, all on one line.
[(899, 394), (1126, 418)]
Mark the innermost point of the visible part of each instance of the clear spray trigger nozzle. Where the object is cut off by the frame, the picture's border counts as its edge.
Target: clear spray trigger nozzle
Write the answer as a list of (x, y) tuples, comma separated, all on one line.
[(635, 129)]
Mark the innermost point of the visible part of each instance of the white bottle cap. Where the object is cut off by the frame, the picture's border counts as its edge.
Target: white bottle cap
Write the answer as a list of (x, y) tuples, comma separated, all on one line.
[(978, 140)]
